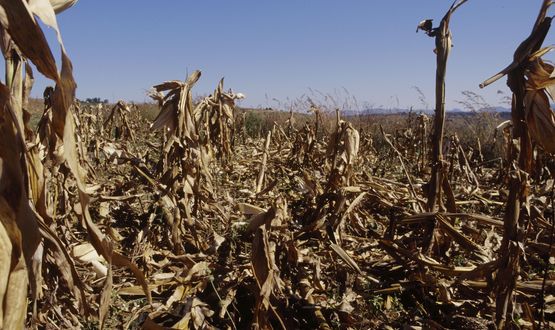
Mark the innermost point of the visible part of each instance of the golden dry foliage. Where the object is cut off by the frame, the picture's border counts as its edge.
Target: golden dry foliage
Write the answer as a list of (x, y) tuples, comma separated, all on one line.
[(540, 118), (265, 270), (318, 224), (281, 242), (527, 77), (443, 42), (176, 113), (216, 114), (119, 113), (26, 193), (18, 229), (23, 38)]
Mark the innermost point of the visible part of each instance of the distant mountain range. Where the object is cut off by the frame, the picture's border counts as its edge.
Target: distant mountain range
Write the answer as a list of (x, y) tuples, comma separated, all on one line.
[(494, 109), (428, 111)]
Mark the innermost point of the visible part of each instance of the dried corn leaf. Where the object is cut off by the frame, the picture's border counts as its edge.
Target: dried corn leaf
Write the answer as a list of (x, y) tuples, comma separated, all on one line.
[(539, 115), (13, 275), (343, 255), (95, 236), (106, 295), (249, 209), (65, 264), (16, 17), (86, 253), (61, 5), (261, 219), (352, 142), (263, 265)]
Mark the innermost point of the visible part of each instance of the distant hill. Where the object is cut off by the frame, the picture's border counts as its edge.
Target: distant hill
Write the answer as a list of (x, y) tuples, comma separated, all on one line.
[(376, 111)]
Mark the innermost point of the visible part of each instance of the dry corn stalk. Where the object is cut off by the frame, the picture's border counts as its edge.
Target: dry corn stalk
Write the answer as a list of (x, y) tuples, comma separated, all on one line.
[(176, 112), (120, 112), (343, 150), (216, 115), (260, 179), (539, 90), (264, 266), (22, 40), (18, 228), (443, 42), (529, 105), (186, 157)]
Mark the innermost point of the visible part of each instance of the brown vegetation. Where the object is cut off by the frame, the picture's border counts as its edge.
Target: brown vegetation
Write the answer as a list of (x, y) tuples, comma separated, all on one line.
[(206, 216)]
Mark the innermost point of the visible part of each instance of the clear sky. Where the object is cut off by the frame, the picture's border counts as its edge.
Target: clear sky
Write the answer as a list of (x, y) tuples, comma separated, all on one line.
[(283, 49)]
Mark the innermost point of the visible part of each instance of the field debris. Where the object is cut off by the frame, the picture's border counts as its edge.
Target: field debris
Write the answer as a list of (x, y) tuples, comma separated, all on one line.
[(198, 219)]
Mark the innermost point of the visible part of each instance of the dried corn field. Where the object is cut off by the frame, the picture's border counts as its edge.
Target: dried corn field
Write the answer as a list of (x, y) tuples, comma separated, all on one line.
[(196, 220)]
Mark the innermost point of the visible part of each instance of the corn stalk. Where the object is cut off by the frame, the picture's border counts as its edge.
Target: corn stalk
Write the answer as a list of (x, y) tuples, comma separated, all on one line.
[(443, 43), (119, 113), (20, 175), (215, 114), (192, 135), (23, 196), (527, 77)]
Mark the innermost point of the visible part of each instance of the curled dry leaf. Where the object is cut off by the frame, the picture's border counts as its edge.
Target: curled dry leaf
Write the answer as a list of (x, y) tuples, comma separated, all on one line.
[(86, 253), (352, 141), (13, 275), (174, 197), (61, 5), (539, 115)]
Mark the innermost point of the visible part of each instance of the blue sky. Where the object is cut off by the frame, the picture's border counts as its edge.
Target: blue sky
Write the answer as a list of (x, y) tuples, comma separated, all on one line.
[(280, 49)]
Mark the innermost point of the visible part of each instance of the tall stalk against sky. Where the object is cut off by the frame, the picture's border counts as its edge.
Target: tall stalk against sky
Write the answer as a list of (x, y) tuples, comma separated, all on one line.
[(524, 80), (443, 42)]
